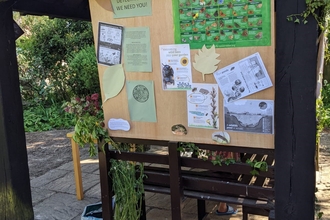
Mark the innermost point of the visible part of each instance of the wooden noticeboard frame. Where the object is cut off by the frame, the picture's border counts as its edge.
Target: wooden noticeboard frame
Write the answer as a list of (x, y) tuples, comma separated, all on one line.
[(171, 107)]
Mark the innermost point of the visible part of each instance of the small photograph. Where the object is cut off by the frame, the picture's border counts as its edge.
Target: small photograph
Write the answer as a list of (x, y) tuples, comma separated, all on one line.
[(168, 75), (235, 92)]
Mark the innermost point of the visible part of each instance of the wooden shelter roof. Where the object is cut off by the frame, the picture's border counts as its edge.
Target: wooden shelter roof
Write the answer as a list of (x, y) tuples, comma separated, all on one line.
[(74, 9)]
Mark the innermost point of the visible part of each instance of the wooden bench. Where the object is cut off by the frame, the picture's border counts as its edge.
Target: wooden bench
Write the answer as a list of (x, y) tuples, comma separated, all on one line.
[(182, 177)]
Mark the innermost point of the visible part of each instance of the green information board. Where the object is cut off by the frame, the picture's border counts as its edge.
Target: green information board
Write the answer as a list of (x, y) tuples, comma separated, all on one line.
[(224, 23)]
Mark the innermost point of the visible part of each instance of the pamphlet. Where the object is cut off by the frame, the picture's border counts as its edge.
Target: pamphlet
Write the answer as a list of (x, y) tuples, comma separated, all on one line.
[(243, 78)]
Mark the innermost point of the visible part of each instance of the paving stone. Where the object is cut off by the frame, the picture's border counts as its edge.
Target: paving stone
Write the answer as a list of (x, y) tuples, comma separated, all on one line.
[(38, 195), (189, 206), (86, 165), (94, 192), (67, 166), (61, 206), (161, 214), (66, 184), (48, 177), (89, 165), (159, 200)]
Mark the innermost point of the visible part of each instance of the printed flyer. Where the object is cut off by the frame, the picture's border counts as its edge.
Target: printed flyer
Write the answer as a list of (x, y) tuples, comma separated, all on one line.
[(224, 23), (175, 67), (203, 106), (137, 49), (250, 115), (243, 78), (109, 46)]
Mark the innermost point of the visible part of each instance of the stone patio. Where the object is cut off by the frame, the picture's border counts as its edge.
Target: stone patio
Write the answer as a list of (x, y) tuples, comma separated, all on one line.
[(54, 197)]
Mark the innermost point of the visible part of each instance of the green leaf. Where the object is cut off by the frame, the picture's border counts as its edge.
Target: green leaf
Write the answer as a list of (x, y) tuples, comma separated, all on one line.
[(297, 21), (254, 172)]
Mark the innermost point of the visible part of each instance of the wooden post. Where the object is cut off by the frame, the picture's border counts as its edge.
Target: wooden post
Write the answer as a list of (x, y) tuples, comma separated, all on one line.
[(295, 134), (105, 183), (15, 192), (175, 181)]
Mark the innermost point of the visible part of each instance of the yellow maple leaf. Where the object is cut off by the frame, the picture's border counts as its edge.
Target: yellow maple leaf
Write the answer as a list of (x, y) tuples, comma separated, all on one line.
[(206, 61)]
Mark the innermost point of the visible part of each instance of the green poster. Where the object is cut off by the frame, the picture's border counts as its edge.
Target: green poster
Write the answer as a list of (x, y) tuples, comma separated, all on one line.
[(137, 49), (131, 8), (223, 23), (141, 101)]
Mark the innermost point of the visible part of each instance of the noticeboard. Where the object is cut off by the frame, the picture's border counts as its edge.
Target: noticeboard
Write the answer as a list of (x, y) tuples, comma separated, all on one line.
[(218, 90)]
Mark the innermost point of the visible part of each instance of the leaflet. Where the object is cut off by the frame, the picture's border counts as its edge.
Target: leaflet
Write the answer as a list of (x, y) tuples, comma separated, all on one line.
[(175, 66), (203, 106), (243, 78)]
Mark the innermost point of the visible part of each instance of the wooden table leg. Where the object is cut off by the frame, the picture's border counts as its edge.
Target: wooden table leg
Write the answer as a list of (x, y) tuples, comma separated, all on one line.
[(76, 168)]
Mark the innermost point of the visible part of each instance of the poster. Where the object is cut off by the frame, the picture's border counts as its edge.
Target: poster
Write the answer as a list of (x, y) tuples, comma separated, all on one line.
[(203, 106), (243, 78), (175, 67), (137, 49), (224, 23), (109, 48), (250, 115), (141, 101), (131, 8)]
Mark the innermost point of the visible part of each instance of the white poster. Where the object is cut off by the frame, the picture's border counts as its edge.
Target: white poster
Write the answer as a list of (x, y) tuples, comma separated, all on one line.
[(203, 106), (243, 78), (250, 115), (175, 67)]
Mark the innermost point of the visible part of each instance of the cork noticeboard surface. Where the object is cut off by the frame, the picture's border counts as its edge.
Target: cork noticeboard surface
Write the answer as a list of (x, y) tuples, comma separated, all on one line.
[(171, 106)]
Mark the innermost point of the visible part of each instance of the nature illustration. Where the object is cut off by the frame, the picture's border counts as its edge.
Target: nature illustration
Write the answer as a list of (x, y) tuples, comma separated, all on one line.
[(249, 116), (214, 114)]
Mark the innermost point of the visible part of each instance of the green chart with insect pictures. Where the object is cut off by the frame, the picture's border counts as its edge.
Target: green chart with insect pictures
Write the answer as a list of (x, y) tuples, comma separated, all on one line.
[(224, 23)]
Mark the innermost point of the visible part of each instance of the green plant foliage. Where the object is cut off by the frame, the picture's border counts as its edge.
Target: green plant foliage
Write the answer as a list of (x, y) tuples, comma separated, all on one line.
[(89, 130), (257, 166), (213, 156), (323, 109), (43, 55), (83, 73), (40, 118), (319, 9), (128, 189), (89, 126)]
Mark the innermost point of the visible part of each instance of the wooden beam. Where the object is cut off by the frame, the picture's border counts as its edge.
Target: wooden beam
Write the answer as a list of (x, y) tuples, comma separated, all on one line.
[(75, 9), (15, 192), (295, 134)]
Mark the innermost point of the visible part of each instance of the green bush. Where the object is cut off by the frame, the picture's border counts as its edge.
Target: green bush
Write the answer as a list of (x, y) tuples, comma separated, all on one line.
[(323, 107), (83, 74), (43, 55)]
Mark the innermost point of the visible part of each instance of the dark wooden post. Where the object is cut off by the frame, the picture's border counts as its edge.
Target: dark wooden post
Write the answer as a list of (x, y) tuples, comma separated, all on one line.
[(15, 192), (105, 183), (175, 180), (295, 131)]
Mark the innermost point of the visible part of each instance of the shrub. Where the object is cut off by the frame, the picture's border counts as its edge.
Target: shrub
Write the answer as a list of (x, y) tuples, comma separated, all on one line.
[(83, 74)]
